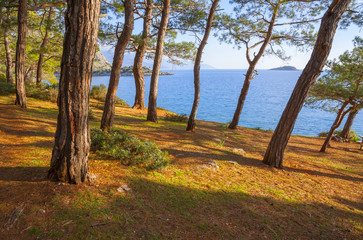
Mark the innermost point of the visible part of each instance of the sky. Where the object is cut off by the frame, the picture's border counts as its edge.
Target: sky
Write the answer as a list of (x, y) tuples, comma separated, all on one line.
[(227, 56)]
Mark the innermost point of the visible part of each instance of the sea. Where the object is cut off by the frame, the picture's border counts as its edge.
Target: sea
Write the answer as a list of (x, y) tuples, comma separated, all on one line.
[(269, 92)]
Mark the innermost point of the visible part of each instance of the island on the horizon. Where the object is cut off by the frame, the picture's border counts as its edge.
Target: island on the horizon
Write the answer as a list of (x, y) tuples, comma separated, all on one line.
[(101, 67), (285, 68)]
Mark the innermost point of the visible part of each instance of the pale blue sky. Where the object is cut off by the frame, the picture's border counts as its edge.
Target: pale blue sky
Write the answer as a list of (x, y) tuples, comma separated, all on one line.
[(224, 56)]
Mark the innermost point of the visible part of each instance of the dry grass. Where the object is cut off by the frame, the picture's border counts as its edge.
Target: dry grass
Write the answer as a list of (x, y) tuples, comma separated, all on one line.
[(317, 195)]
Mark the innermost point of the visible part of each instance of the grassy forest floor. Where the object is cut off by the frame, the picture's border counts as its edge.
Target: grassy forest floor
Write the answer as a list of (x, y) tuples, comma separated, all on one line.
[(316, 196)]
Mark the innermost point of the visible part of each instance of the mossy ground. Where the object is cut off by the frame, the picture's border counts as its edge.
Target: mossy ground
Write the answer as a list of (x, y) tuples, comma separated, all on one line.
[(316, 196)]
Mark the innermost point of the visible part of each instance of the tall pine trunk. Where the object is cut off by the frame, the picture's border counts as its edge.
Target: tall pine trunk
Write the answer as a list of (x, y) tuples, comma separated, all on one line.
[(198, 59), (151, 113), (251, 69), (20, 54), (109, 109), (42, 48), (72, 139), (348, 124), (139, 57), (9, 59), (336, 124), (275, 150)]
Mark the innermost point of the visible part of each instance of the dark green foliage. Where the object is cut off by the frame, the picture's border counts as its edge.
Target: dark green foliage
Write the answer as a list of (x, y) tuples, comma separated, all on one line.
[(353, 136), (99, 93), (129, 149), (121, 102), (48, 93), (176, 118), (6, 88), (343, 81)]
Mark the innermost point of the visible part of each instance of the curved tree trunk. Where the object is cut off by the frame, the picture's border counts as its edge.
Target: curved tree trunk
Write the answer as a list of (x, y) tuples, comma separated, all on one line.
[(348, 124), (275, 150), (139, 57), (72, 139), (20, 54), (198, 59), (242, 97), (251, 69), (9, 60), (336, 124), (151, 113), (41, 54), (109, 109)]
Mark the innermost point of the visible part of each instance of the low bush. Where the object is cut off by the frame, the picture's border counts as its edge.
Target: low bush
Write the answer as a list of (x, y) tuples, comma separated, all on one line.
[(176, 118), (121, 102), (99, 93), (48, 93), (353, 136), (130, 150), (6, 88)]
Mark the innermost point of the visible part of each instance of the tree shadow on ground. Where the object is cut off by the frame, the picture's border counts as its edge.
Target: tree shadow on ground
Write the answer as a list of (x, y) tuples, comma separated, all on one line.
[(23, 174), (155, 210)]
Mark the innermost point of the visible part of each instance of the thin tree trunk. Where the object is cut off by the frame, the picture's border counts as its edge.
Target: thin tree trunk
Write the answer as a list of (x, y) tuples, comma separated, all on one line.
[(198, 59), (109, 109), (9, 60), (20, 54), (242, 97), (151, 113), (139, 57), (72, 139), (26, 76), (251, 69), (348, 124), (275, 150), (336, 124), (41, 54)]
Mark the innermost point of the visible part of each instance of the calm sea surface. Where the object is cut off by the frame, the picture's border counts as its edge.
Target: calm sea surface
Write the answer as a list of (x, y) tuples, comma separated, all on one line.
[(269, 92)]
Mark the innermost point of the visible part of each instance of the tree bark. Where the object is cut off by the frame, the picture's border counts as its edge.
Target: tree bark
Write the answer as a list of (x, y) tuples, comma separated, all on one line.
[(20, 54), (198, 59), (336, 124), (348, 124), (275, 150), (251, 69), (9, 60), (42, 47), (69, 161), (151, 113), (139, 57), (109, 109)]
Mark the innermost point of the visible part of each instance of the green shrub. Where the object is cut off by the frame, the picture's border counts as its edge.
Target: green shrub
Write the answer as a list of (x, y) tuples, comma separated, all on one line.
[(176, 118), (46, 92), (6, 88), (353, 136), (129, 149), (99, 93), (121, 102)]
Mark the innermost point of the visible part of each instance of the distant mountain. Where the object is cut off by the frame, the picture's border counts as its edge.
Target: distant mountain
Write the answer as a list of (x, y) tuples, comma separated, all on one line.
[(102, 67), (165, 65), (285, 68), (100, 64)]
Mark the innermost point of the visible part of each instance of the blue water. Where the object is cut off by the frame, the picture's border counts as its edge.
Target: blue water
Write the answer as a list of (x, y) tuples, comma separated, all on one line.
[(269, 92)]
